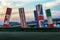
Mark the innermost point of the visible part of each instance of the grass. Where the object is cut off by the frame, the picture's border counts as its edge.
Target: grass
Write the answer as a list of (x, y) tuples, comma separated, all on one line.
[(17, 29)]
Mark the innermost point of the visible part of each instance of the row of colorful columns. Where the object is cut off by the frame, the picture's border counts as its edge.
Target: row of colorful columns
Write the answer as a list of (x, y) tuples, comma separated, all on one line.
[(39, 17), (22, 17)]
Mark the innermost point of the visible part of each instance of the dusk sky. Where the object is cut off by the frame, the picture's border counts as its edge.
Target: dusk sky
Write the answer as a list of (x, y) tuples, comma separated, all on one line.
[(29, 6)]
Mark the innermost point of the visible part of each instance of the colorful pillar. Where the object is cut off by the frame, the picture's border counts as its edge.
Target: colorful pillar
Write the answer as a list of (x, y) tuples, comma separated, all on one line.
[(40, 16), (22, 17), (50, 22), (35, 15), (7, 18)]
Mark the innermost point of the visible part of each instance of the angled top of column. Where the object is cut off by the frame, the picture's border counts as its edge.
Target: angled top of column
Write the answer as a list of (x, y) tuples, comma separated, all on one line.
[(48, 12), (21, 10), (8, 11), (39, 9)]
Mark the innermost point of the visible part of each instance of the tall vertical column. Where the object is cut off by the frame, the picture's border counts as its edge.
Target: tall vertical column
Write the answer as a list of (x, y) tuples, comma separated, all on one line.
[(36, 18), (22, 17), (7, 18), (40, 16), (49, 17)]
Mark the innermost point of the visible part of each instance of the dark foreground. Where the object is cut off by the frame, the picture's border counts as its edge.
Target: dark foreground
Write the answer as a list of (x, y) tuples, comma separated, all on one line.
[(29, 35), (29, 29)]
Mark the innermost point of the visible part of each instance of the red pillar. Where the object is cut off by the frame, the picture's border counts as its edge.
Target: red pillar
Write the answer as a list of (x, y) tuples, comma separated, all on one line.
[(7, 18), (22, 17)]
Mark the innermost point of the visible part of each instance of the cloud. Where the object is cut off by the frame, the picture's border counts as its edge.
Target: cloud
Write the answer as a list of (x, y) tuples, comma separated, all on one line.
[(51, 4), (56, 8), (55, 14), (21, 3), (15, 4), (12, 4), (23, 0)]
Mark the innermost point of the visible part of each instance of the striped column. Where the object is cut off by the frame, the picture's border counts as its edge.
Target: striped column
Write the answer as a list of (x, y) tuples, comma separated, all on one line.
[(7, 18), (40, 16), (22, 17), (50, 22)]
